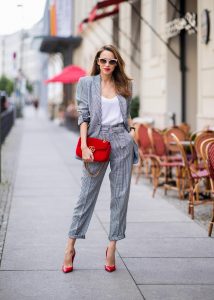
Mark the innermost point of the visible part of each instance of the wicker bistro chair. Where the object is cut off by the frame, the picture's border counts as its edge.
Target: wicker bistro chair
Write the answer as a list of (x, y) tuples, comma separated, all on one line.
[(197, 162), (210, 154), (174, 153), (145, 150), (194, 179), (172, 147), (207, 151), (163, 164), (185, 128), (203, 150), (200, 137)]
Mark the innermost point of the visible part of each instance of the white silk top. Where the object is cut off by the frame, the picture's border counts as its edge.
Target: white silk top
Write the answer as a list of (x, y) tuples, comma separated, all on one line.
[(111, 113)]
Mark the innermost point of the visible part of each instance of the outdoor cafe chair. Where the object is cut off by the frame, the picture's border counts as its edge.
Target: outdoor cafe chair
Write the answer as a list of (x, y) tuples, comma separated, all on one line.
[(194, 178), (144, 147), (144, 151), (162, 164), (199, 138), (207, 150), (210, 151), (172, 147), (204, 148), (185, 128)]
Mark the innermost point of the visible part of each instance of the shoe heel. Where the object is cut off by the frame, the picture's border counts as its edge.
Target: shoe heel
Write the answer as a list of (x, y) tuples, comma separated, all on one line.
[(69, 269), (109, 268)]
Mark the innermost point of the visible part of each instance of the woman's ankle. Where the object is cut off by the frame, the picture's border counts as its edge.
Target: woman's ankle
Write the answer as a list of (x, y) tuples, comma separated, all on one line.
[(112, 245), (70, 243)]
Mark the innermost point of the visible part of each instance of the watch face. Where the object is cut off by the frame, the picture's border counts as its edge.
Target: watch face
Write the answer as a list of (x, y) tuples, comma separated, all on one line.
[(205, 26)]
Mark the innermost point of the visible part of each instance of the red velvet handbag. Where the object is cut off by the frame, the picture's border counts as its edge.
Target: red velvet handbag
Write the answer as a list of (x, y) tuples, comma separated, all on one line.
[(101, 150)]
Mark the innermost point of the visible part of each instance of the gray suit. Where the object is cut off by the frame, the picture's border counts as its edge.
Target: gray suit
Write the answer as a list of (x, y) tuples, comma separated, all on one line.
[(123, 154)]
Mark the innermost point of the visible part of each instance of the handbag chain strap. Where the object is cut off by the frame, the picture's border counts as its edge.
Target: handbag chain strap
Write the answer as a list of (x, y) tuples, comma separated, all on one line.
[(87, 167), (93, 174)]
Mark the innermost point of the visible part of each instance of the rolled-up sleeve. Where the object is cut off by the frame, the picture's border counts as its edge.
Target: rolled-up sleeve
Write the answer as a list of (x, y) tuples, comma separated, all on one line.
[(82, 102)]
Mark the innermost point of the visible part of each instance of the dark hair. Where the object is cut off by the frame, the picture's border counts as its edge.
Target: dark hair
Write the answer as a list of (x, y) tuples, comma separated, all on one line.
[(121, 80)]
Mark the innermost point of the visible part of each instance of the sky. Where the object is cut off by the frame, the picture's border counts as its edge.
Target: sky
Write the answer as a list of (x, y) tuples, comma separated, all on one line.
[(19, 14)]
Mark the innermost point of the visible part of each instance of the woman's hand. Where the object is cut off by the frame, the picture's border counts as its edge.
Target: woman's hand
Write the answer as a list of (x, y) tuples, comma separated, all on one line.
[(132, 133), (87, 154)]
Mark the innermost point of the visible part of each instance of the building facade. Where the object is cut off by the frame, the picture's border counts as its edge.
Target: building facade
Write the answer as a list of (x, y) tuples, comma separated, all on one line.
[(168, 47), (20, 57), (58, 42)]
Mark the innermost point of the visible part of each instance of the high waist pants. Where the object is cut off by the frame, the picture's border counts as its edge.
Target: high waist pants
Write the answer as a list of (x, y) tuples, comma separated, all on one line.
[(121, 160)]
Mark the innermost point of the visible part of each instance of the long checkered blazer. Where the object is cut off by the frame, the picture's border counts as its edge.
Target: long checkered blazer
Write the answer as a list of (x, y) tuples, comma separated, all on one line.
[(88, 97)]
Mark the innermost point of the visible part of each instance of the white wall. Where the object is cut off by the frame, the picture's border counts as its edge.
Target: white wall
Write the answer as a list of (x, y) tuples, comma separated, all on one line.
[(173, 73), (153, 61), (135, 36), (205, 116), (94, 35), (159, 80), (191, 72), (174, 101), (124, 43)]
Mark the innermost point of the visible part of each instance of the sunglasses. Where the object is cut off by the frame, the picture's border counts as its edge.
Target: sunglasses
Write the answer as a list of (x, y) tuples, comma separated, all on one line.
[(103, 61)]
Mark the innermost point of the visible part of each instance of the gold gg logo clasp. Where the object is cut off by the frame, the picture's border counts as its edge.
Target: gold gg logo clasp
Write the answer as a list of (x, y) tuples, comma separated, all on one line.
[(92, 148)]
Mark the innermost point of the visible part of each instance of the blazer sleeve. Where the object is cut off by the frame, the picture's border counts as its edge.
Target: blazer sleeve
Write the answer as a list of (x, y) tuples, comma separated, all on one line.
[(82, 102)]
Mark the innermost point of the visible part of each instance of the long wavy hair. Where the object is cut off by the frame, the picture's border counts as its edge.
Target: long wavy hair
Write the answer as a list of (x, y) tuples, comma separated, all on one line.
[(121, 80)]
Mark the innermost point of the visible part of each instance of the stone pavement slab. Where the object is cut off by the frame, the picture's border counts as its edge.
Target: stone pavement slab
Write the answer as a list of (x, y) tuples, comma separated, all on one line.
[(177, 292), (84, 284), (171, 270), (167, 247)]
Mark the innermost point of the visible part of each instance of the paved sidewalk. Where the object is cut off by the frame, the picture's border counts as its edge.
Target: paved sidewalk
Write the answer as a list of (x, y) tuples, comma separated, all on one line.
[(165, 256), (9, 153)]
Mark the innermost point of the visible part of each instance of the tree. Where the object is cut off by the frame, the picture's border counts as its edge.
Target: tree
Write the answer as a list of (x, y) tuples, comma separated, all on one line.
[(6, 85), (135, 105), (29, 87)]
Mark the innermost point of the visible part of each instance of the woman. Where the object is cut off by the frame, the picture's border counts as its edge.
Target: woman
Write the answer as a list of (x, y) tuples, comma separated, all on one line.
[(104, 104)]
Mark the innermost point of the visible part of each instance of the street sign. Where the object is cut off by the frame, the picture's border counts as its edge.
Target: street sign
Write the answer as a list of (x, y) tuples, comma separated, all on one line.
[(188, 23)]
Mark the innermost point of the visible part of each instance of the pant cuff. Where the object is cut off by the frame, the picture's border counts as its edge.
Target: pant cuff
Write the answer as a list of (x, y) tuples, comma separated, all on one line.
[(74, 236), (116, 238)]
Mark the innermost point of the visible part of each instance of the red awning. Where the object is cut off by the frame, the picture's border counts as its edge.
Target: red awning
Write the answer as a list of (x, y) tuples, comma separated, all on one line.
[(106, 3), (70, 74), (95, 15)]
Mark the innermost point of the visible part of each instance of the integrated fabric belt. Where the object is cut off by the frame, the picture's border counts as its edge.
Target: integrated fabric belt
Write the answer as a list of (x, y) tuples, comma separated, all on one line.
[(110, 126)]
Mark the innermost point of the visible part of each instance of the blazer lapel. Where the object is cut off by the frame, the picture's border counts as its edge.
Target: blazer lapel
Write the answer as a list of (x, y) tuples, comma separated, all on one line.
[(97, 98), (123, 106)]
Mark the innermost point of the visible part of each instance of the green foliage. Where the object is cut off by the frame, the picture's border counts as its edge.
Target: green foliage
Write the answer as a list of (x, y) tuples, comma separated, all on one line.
[(6, 85), (29, 87), (135, 105)]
